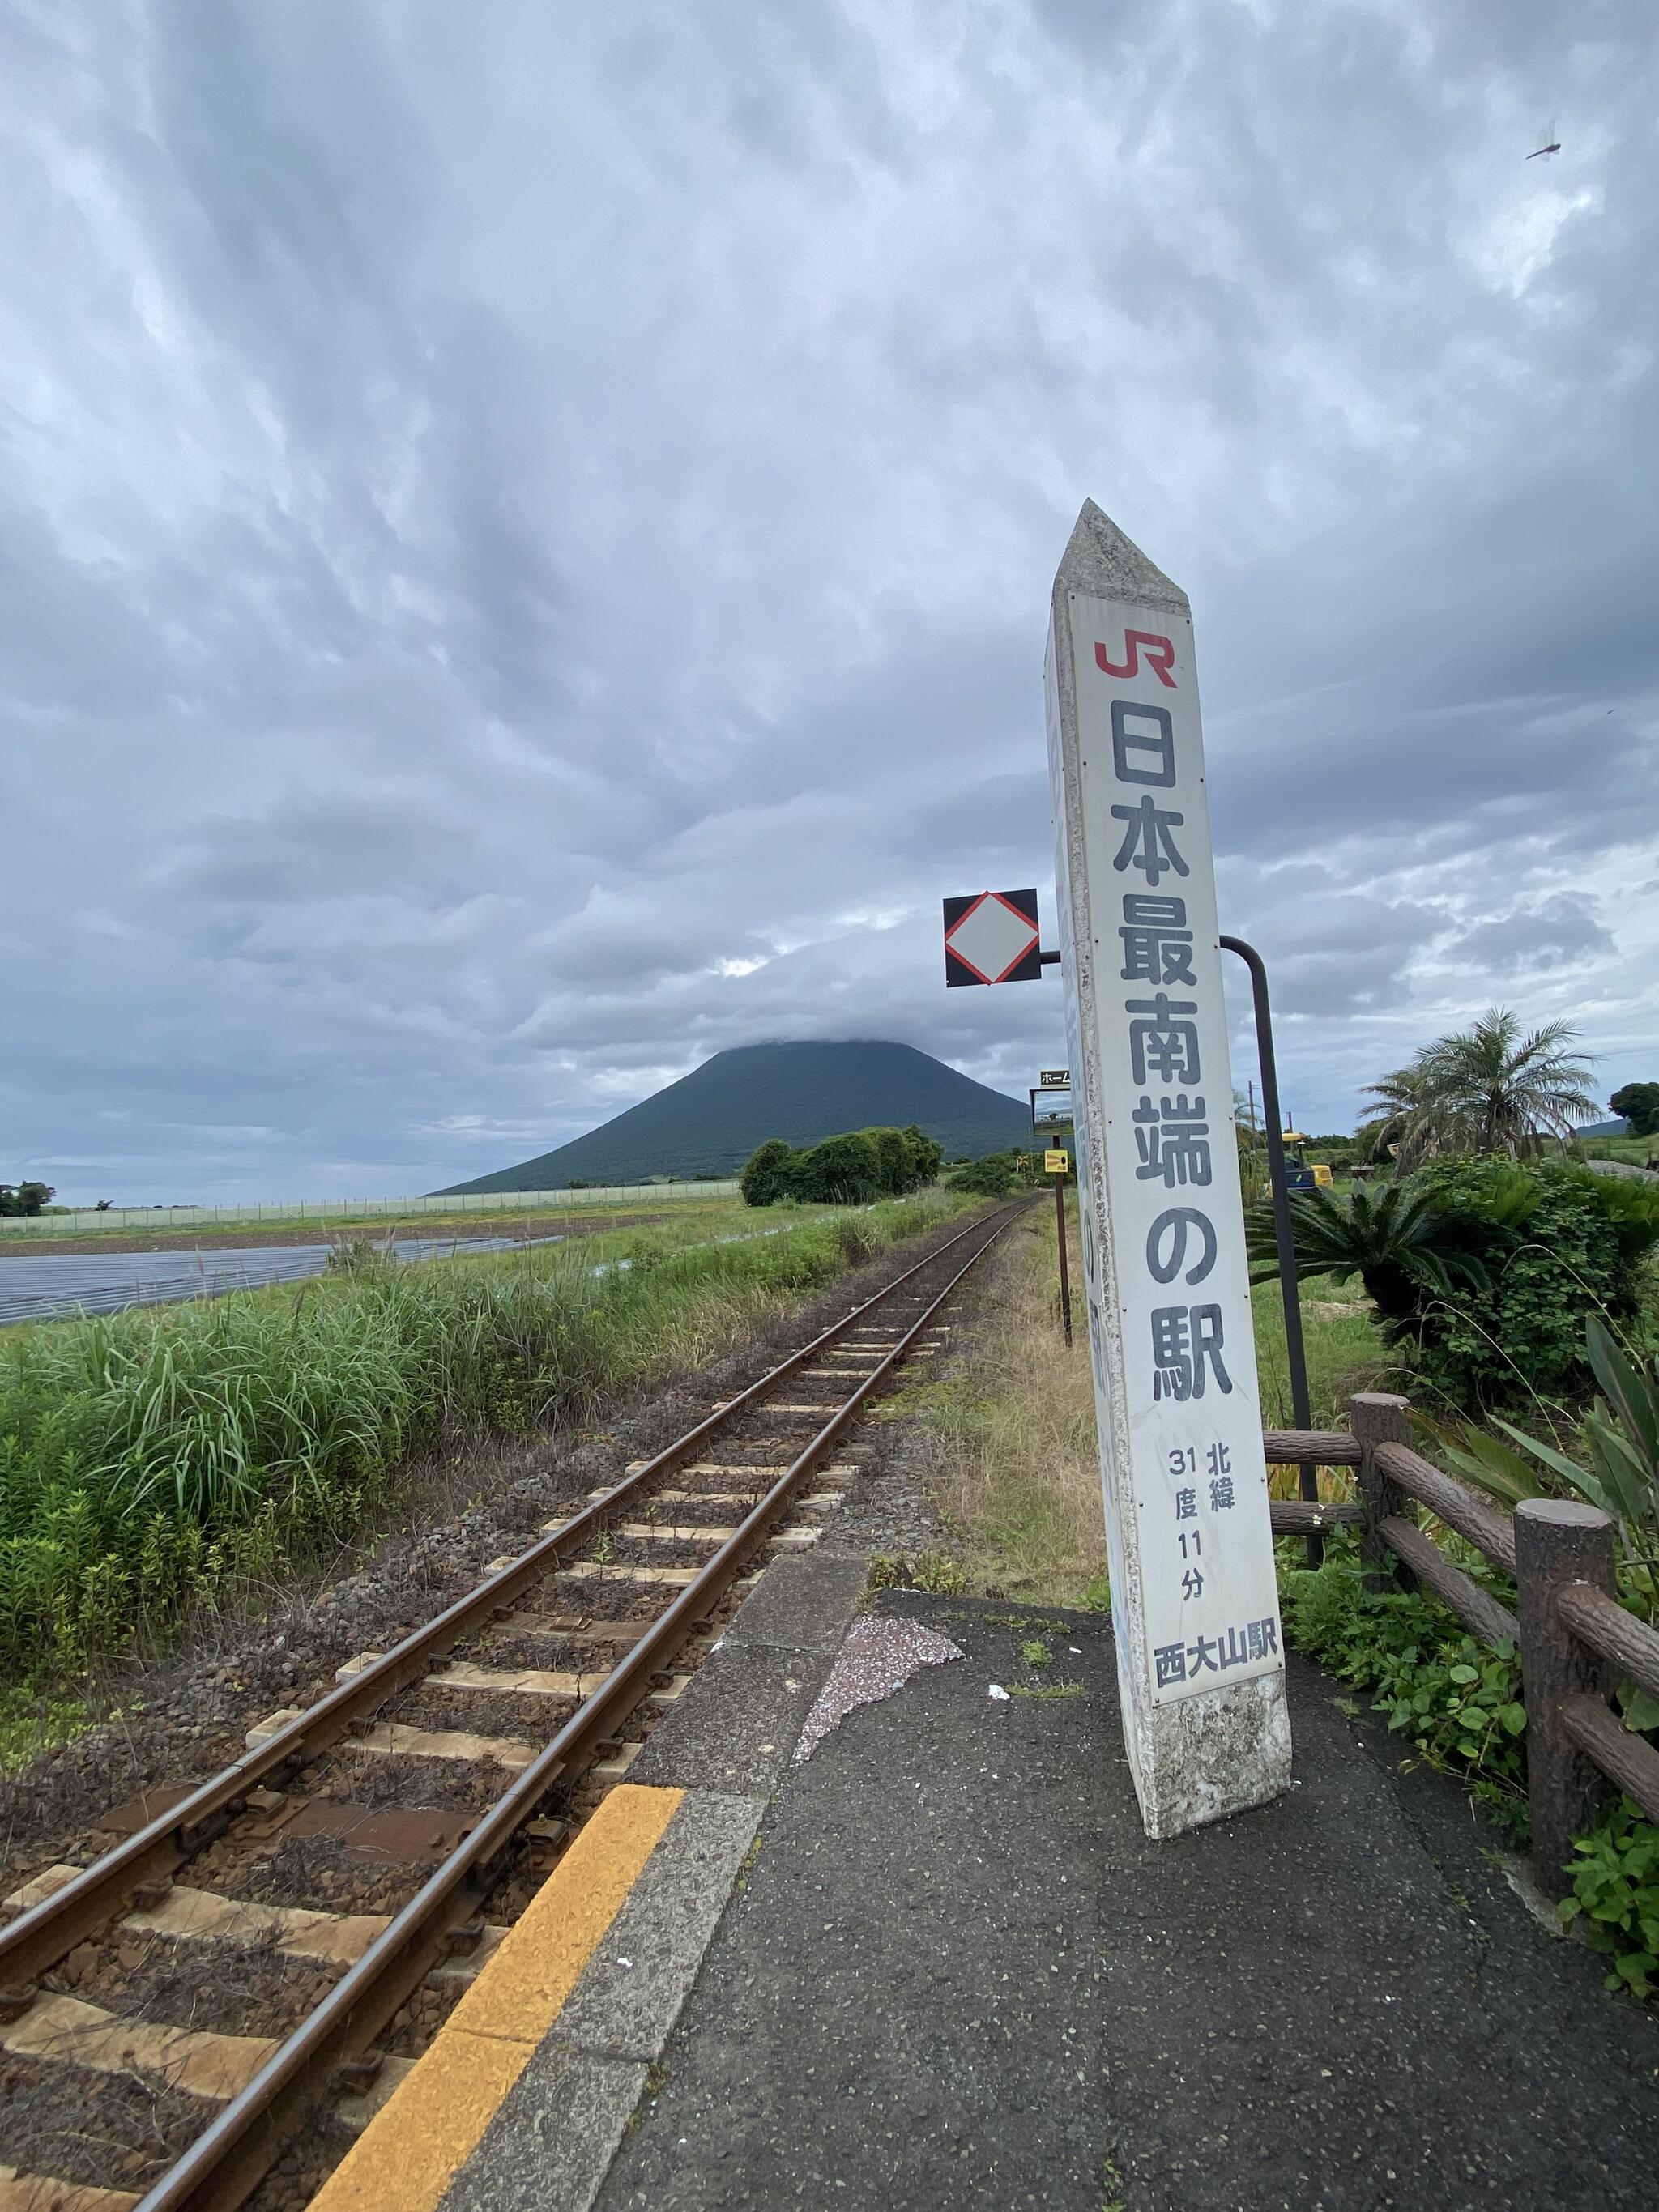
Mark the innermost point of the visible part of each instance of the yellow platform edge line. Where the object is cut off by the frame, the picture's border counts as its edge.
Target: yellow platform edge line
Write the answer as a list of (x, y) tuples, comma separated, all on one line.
[(426, 2130)]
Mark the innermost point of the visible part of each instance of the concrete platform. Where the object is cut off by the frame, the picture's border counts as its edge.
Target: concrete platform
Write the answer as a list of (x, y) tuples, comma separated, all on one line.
[(940, 1964)]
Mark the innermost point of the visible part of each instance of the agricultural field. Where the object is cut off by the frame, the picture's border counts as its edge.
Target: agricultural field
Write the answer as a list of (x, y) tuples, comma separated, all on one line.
[(1633, 1152), (538, 1213), (155, 1463)]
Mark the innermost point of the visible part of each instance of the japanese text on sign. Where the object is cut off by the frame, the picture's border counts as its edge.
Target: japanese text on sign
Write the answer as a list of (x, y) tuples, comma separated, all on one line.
[(1171, 1163)]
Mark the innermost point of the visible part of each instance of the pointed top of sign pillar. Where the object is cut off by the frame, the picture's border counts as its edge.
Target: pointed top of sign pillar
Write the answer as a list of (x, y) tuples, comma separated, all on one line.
[(1102, 562)]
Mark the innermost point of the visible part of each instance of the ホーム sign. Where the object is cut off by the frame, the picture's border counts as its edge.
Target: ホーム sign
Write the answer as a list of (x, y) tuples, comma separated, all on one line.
[(1190, 1548)]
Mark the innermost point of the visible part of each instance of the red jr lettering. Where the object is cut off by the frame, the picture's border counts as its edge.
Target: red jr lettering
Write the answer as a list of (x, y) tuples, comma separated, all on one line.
[(1159, 656)]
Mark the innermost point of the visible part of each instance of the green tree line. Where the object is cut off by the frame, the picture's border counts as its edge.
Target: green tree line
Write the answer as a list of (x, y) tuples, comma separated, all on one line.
[(851, 1170), (25, 1197)]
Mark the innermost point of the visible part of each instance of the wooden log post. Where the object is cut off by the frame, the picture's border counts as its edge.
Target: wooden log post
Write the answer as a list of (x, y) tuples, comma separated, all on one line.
[(1377, 1419), (1558, 1541)]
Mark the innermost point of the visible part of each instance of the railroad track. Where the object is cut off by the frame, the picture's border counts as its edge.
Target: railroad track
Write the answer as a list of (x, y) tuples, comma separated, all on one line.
[(435, 1778)]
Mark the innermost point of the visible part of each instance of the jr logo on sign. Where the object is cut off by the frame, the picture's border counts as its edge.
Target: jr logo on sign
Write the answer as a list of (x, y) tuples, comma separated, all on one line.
[(1159, 656)]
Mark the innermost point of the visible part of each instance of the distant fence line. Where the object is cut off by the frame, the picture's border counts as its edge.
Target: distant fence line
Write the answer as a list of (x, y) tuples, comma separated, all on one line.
[(326, 1209)]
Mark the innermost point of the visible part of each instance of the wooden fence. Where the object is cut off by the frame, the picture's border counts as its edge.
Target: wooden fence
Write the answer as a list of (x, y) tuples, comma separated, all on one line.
[(1575, 1642)]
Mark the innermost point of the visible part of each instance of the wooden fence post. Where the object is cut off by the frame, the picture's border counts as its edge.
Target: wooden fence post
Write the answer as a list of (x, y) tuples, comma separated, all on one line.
[(1377, 1419), (1558, 1541)]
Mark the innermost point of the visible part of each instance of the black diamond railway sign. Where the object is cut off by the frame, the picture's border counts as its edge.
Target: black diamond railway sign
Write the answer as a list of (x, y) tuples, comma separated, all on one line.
[(993, 937)]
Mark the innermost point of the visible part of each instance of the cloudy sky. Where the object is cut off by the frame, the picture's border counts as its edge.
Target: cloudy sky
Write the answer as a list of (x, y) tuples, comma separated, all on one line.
[(528, 532)]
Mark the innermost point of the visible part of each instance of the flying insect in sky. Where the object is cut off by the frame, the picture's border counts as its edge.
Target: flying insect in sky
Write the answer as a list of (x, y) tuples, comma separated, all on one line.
[(1551, 145)]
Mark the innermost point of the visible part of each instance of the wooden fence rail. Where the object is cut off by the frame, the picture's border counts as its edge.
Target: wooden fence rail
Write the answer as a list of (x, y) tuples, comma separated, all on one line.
[(1576, 1644)]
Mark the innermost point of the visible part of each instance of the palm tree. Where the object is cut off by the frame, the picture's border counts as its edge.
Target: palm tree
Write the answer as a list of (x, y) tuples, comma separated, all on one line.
[(1485, 1089), (1397, 1116), (1496, 1090)]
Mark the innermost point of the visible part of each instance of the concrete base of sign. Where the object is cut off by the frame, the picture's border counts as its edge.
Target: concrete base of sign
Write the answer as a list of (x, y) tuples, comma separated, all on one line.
[(1204, 1758)]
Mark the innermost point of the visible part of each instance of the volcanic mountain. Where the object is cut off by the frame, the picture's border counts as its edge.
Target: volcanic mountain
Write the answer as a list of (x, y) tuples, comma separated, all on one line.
[(710, 1121)]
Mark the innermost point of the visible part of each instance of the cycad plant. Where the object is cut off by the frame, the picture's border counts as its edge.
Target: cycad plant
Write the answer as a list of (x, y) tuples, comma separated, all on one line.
[(1397, 1240)]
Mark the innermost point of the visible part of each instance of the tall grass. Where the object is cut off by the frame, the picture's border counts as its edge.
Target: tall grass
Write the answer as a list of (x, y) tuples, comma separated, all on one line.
[(144, 1455), (1011, 1458)]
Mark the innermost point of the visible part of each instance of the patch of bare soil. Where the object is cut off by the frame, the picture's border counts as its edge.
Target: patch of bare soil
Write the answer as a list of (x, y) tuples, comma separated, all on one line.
[(388, 1778), (554, 1654), (304, 2166), (106, 2131), (317, 1873), (616, 1596), (224, 1989), (484, 1712), (411, 2029), (659, 1552)]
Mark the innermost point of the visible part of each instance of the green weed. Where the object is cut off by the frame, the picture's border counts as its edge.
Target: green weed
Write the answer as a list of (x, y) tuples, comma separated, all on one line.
[(920, 1571), (150, 1459), (1458, 1702), (1615, 1895)]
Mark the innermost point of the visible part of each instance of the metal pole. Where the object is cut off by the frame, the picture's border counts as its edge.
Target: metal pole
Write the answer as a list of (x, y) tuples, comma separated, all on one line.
[(1284, 1235), (1065, 1273)]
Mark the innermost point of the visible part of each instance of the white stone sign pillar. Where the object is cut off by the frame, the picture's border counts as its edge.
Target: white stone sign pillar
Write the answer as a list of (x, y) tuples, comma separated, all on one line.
[(1194, 1607)]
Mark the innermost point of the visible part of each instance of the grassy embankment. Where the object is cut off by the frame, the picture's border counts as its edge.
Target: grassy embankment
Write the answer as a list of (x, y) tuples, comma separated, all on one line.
[(558, 1216), (1635, 1151), (1010, 1456), (154, 1461)]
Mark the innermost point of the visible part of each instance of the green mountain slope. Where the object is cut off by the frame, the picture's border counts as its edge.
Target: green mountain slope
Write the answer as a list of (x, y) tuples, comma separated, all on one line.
[(710, 1121)]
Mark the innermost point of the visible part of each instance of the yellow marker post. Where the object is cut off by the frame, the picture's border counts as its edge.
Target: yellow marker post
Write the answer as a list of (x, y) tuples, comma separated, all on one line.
[(1057, 1162)]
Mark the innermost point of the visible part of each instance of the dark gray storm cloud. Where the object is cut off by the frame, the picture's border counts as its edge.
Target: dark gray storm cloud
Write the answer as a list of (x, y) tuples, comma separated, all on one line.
[(525, 537)]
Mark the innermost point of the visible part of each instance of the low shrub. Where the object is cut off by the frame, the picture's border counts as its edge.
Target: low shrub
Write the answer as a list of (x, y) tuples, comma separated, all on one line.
[(1484, 1273), (1557, 1244), (355, 1255), (1619, 1474), (851, 1170), (994, 1177)]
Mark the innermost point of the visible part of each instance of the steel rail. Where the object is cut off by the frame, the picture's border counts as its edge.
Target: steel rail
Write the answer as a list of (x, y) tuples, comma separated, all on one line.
[(229, 2159), (38, 1939)]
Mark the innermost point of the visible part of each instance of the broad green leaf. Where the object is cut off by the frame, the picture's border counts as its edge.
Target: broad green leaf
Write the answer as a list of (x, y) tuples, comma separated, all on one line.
[(1641, 1711), (1633, 1396), (1578, 1477)]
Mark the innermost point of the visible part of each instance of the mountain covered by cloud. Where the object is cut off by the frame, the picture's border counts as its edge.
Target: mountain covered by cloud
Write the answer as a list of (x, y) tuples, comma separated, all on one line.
[(710, 1121), (527, 536)]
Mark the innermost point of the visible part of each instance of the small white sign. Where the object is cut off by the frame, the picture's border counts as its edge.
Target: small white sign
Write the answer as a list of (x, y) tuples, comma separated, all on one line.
[(1195, 1604)]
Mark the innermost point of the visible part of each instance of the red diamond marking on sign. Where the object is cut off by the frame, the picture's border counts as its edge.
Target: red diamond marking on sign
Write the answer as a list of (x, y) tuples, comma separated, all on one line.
[(992, 938)]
